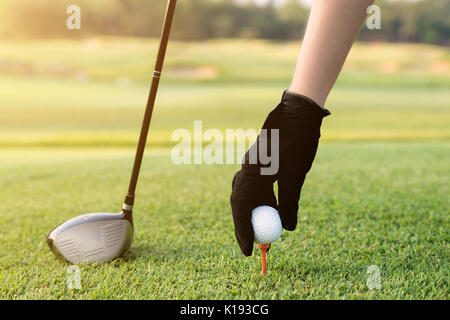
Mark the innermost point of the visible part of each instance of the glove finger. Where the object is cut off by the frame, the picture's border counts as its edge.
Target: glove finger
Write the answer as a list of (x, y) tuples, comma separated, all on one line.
[(288, 197), (295, 163), (241, 211), (243, 228), (247, 193)]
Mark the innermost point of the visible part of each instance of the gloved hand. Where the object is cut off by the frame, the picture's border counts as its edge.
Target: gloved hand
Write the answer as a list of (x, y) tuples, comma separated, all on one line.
[(298, 120)]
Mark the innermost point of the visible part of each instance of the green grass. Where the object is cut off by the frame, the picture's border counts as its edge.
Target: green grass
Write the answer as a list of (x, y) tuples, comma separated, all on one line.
[(381, 204), (63, 113), (219, 61), (92, 92), (377, 193)]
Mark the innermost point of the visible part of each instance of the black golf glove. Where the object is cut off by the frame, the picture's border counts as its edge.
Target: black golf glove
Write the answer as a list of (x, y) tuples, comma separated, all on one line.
[(298, 120)]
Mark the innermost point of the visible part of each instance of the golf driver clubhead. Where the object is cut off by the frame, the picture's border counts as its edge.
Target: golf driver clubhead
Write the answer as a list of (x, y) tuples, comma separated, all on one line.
[(92, 237), (103, 237)]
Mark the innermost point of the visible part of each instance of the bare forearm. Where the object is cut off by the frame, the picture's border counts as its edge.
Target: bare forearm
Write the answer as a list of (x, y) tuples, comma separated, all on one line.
[(332, 28)]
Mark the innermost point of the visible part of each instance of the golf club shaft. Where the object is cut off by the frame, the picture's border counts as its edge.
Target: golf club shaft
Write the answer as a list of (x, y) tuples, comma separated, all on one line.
[(129, 200)]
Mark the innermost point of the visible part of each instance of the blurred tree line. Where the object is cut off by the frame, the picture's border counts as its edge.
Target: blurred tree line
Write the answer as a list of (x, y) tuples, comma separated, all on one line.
[(406, 21)]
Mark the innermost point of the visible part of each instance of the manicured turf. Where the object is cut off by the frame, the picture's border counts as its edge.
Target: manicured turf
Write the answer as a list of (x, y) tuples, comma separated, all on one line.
[(92, 93), (377, 193), (381, 204)]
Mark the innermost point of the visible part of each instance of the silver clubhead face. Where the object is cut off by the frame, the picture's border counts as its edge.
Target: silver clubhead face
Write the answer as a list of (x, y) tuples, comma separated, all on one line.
[(93, 237)]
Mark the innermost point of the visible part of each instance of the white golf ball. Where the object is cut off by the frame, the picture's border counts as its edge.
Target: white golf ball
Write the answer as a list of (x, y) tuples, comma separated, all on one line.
[(266, 224)]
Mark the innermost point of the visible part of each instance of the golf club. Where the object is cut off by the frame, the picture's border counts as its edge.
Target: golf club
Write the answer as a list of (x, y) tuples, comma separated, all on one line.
[(103, 237)]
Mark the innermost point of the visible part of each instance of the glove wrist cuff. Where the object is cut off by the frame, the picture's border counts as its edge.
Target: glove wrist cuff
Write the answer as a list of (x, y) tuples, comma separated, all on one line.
[(303, 103)]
